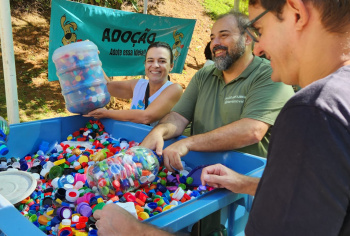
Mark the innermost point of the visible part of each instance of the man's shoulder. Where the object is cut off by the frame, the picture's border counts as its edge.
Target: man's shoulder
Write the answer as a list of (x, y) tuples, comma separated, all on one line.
[(333, 87), (207, 70), (261, 65), (259, 71), (206, 73), (329, 95)]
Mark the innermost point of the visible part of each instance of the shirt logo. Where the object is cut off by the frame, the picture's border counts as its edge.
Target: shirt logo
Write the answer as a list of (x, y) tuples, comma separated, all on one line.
[(235, 99)]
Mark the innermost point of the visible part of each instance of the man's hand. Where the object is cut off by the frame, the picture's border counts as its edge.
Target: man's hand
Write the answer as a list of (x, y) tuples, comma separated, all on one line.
[(98, 113), (114, 220), (154, 141), (219, 176), (173, 153)]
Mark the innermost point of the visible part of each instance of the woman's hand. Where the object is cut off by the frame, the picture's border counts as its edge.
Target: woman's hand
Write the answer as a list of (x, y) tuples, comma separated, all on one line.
[(98, 113)]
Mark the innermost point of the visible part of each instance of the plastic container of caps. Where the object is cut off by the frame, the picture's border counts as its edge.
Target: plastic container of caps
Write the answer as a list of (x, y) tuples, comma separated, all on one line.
[(125, 171), (81, 77), (4, 132)]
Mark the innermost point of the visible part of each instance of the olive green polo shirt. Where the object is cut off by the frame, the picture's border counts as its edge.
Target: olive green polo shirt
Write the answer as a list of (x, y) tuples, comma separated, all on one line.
[(211, 103)]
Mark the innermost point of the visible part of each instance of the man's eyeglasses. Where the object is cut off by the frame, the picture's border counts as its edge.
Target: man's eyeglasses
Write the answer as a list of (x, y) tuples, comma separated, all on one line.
[(251, 30)]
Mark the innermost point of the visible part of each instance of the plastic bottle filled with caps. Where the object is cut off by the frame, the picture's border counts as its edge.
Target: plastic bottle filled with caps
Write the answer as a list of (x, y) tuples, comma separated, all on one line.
[(81, 77), (124, 172), (4, 132)]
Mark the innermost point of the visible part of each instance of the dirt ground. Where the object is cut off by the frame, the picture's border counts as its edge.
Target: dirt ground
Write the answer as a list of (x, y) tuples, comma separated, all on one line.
[(38, 97)]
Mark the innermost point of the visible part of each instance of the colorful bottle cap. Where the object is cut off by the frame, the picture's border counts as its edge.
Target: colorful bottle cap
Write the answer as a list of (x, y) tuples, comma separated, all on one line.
[(179, 193), (61, 193), (84, 209), (66, 231), (43, 220), (72, 195), (99, 206), (66, 222), (202, 188), (92, 232), (80, 177), (64, 212), (167, 207), (3, 149), (143, 215), (55, 171), (152, 205)]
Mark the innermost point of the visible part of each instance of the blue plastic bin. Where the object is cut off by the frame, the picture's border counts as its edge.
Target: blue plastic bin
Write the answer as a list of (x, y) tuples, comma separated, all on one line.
[(25, 138)]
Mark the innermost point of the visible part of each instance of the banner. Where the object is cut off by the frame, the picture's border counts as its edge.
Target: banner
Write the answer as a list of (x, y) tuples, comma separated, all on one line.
[(122, 37)]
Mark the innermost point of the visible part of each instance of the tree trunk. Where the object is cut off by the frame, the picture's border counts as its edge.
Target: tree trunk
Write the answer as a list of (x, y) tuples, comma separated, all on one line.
[(236, 5)]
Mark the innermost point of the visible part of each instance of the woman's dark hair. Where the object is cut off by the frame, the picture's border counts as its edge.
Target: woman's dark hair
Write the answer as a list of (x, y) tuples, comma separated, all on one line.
[(207, 52), (334, 14), (162, 45)]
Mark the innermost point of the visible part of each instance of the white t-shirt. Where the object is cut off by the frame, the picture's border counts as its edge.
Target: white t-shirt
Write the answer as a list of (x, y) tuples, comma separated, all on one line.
[(139, 95), (208, 63)]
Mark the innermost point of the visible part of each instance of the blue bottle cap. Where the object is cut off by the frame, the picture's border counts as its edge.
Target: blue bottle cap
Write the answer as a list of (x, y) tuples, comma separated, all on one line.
[(3, 149)]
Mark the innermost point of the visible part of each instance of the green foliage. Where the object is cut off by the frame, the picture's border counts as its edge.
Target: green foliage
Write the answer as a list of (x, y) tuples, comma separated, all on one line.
[(115, 4), (29, 5), (217, 7), (46, 4)]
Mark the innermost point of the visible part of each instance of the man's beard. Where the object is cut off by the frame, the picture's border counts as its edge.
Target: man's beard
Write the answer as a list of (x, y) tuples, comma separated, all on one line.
[(224, 63)]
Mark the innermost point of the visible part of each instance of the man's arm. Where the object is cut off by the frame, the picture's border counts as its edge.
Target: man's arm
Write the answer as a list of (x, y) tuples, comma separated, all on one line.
[(235, 135), (172, 125)]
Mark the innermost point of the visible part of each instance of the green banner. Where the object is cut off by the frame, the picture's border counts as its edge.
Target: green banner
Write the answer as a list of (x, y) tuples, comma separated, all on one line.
[(122, 37)]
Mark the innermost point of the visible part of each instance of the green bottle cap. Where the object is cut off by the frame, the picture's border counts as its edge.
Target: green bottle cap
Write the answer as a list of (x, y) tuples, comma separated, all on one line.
[(189, 180), (98, 206), (183, 186), (55, 171)]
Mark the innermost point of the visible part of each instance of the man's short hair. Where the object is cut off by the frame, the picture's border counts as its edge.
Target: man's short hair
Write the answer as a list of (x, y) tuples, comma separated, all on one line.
[(335, 14), (241, 19)]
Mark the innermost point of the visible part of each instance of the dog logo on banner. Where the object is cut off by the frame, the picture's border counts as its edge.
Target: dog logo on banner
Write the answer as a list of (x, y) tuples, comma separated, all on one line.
[(69, 36), (177, 46)]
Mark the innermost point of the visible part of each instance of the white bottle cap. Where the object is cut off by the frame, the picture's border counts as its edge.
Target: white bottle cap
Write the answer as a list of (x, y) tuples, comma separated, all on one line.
[(36, 176), (66, 222), (67, 186), (44, 171), (54, 182), (179, 193), (79, 185), (75, 219), (72, 194)]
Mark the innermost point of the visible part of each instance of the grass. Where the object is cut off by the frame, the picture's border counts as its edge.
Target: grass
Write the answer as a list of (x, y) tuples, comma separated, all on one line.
[(215, 8)]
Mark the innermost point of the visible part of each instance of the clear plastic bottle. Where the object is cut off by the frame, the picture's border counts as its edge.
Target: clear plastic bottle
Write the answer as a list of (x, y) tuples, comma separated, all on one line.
[(81, 77), (124, 172), (4, 132)]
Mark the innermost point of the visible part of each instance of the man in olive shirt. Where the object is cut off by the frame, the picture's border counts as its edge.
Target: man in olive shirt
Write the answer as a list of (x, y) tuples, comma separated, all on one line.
[(232, 104)]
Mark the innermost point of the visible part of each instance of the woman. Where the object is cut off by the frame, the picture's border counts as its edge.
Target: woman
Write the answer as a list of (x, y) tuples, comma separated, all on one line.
[(162, 94)]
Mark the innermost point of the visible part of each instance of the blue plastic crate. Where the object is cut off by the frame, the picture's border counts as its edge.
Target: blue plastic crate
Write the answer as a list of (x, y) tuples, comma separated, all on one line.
[(25, 138)]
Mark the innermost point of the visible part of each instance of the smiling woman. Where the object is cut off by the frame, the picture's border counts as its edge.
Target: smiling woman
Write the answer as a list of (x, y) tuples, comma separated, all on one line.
[(151, 99)]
